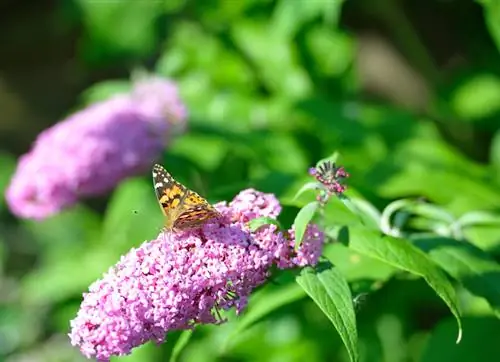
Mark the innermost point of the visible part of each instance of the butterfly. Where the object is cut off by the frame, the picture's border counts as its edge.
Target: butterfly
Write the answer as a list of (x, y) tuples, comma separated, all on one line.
[(184, 209)]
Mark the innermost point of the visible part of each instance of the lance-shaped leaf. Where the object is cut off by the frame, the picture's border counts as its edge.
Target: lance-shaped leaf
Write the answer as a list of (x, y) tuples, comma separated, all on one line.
[(402, 254), (258, 222), (304, 216), (329, 290), (181, 342), (471, 266)]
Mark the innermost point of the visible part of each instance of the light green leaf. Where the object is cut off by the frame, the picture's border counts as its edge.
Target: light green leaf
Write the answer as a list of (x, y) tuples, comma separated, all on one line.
[(492, 16), (304, 216), (402, 254), (332, 50), (479, 96), (494, 154), (214, 149), (329, 290), (109, 31), (367, 213), (180, 344), (358, 267), (257, 223), (308, 186), (475, 269), (290, 15), (276, 60), (432, 169), (332, 158)]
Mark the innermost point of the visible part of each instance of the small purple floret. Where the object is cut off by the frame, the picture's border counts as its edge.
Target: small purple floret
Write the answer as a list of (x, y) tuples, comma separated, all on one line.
[(180, 280)]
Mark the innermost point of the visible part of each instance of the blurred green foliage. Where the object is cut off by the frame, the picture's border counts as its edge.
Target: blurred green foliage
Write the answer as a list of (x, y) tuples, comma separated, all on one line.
[(272, 87)]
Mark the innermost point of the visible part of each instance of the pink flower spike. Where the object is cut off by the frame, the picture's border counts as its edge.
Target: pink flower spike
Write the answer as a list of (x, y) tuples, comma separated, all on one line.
[(92, 150), (182, 279)]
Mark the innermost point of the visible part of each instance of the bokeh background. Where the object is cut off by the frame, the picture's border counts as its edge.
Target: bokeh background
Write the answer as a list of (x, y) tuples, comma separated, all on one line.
[(407, 93)]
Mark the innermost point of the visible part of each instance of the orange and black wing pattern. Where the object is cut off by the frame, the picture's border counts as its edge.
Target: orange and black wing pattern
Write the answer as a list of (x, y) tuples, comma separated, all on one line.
[(184, 209)]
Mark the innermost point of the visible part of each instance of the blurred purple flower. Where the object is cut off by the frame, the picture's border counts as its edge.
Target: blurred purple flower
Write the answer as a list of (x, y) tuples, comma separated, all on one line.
[(89, 152), (180, 280), (158, 98)]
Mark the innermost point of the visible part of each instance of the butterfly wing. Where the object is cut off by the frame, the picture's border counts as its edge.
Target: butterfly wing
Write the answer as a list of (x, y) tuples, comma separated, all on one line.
[(183, 208), (169, 193), (195, 211)]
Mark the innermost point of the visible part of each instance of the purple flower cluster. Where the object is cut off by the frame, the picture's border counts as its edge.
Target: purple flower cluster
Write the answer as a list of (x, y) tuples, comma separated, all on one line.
[(89, 152), (183, 279), (330, 177)]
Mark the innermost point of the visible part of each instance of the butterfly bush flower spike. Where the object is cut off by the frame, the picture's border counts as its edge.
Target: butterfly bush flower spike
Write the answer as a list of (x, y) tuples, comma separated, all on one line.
[(89, 152), (185, 278), (331, 179)]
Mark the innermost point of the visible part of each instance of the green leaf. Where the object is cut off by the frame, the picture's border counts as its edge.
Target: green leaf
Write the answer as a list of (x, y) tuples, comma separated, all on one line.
[(109, 32), (367, 213), (492, 16), (341, 212), (471, 266), (146, 352), (276, 60), (330, 63), (425, 165), (263, 303), (479, 97), (181, 342), (304, 216), (402, 254), (358, 267), (332, 158), (290, 15), (329, 290), (308, 186), (494, 154), (214, 149), (258, 222)]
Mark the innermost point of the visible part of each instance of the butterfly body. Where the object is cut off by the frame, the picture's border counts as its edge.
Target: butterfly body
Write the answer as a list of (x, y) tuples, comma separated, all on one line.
[(184, 209)]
